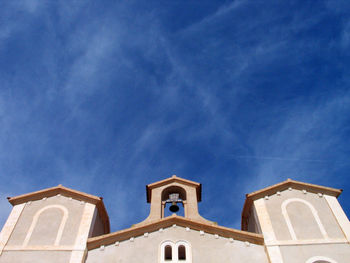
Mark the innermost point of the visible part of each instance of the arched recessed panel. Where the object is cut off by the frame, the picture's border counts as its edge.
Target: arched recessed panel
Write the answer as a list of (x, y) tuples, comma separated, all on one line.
[(49, 220), (305, 219)]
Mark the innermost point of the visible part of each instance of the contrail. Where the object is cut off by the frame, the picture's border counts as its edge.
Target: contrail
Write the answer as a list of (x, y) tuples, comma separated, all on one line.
[(276, 158)]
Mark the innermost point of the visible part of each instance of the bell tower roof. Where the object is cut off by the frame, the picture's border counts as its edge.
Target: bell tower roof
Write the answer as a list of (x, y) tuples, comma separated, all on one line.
[(173, 195), (173, 179)]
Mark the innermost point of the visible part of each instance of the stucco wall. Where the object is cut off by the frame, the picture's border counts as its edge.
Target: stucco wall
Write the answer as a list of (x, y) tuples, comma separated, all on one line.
[(253, 222), (301, 216), (205, 248), (298, 225), (46, 229), (35, 257), (340, 253), (97, 228)]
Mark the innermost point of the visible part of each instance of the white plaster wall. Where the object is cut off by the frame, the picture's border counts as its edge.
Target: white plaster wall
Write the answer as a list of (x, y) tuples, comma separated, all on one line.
[(253, 222), (35, 257), (50, 225), (339, 253), (206, 248), (301, 217), (97, 228)]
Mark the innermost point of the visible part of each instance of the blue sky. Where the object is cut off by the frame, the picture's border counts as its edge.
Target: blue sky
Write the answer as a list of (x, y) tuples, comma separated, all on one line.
[(108, 96)]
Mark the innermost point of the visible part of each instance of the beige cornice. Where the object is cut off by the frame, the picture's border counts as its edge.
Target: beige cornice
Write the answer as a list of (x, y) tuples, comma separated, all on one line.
[(126, 234), (312, 188), (170, 180), (48, 192)]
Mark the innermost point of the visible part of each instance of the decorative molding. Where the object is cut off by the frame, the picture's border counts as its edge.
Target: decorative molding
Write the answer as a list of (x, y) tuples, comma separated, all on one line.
[(274, 254), (41, 248), (10, 225), (313, 211), (273, 251), (85, 228), (264, 221), (339, 215), (308, 242), (35, 221), (78, 256)]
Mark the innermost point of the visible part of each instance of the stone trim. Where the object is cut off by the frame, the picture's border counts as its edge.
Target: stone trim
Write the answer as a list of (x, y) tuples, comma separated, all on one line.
[(83, 232), (339, 215), (313, 211), (273, 251), (35, 220), (40, 248), (10, 225), (264, 221), (274, 254), (308, 242)]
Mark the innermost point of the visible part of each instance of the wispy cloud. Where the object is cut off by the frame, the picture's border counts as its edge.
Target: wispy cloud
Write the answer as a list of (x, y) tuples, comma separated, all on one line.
[(221, 11), (305, 133), (107, 97), (276, 158)]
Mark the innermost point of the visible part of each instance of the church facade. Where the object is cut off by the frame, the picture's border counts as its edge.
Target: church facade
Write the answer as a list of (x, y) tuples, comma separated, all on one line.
[(290, 222)]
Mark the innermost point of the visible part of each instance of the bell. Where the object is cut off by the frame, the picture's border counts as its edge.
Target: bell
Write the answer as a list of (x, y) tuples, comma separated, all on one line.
[(174, 208)]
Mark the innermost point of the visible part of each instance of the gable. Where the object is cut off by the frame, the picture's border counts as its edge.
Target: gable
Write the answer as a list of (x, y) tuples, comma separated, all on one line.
[(204, 247), (168, 222)]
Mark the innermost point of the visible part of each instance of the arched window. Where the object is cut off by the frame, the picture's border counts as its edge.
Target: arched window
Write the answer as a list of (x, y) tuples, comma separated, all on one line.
[(181, 252), (168, 253)]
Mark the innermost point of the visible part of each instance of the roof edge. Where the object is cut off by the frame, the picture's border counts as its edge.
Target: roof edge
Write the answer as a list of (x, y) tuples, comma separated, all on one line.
[(172, 179), (128, 233)]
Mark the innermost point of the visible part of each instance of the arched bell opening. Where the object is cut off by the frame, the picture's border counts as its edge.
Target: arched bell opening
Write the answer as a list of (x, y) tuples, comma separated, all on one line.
[(173, 201)]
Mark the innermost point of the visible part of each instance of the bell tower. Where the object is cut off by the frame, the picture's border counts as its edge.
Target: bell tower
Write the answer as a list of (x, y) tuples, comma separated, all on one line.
[(174, 191)]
